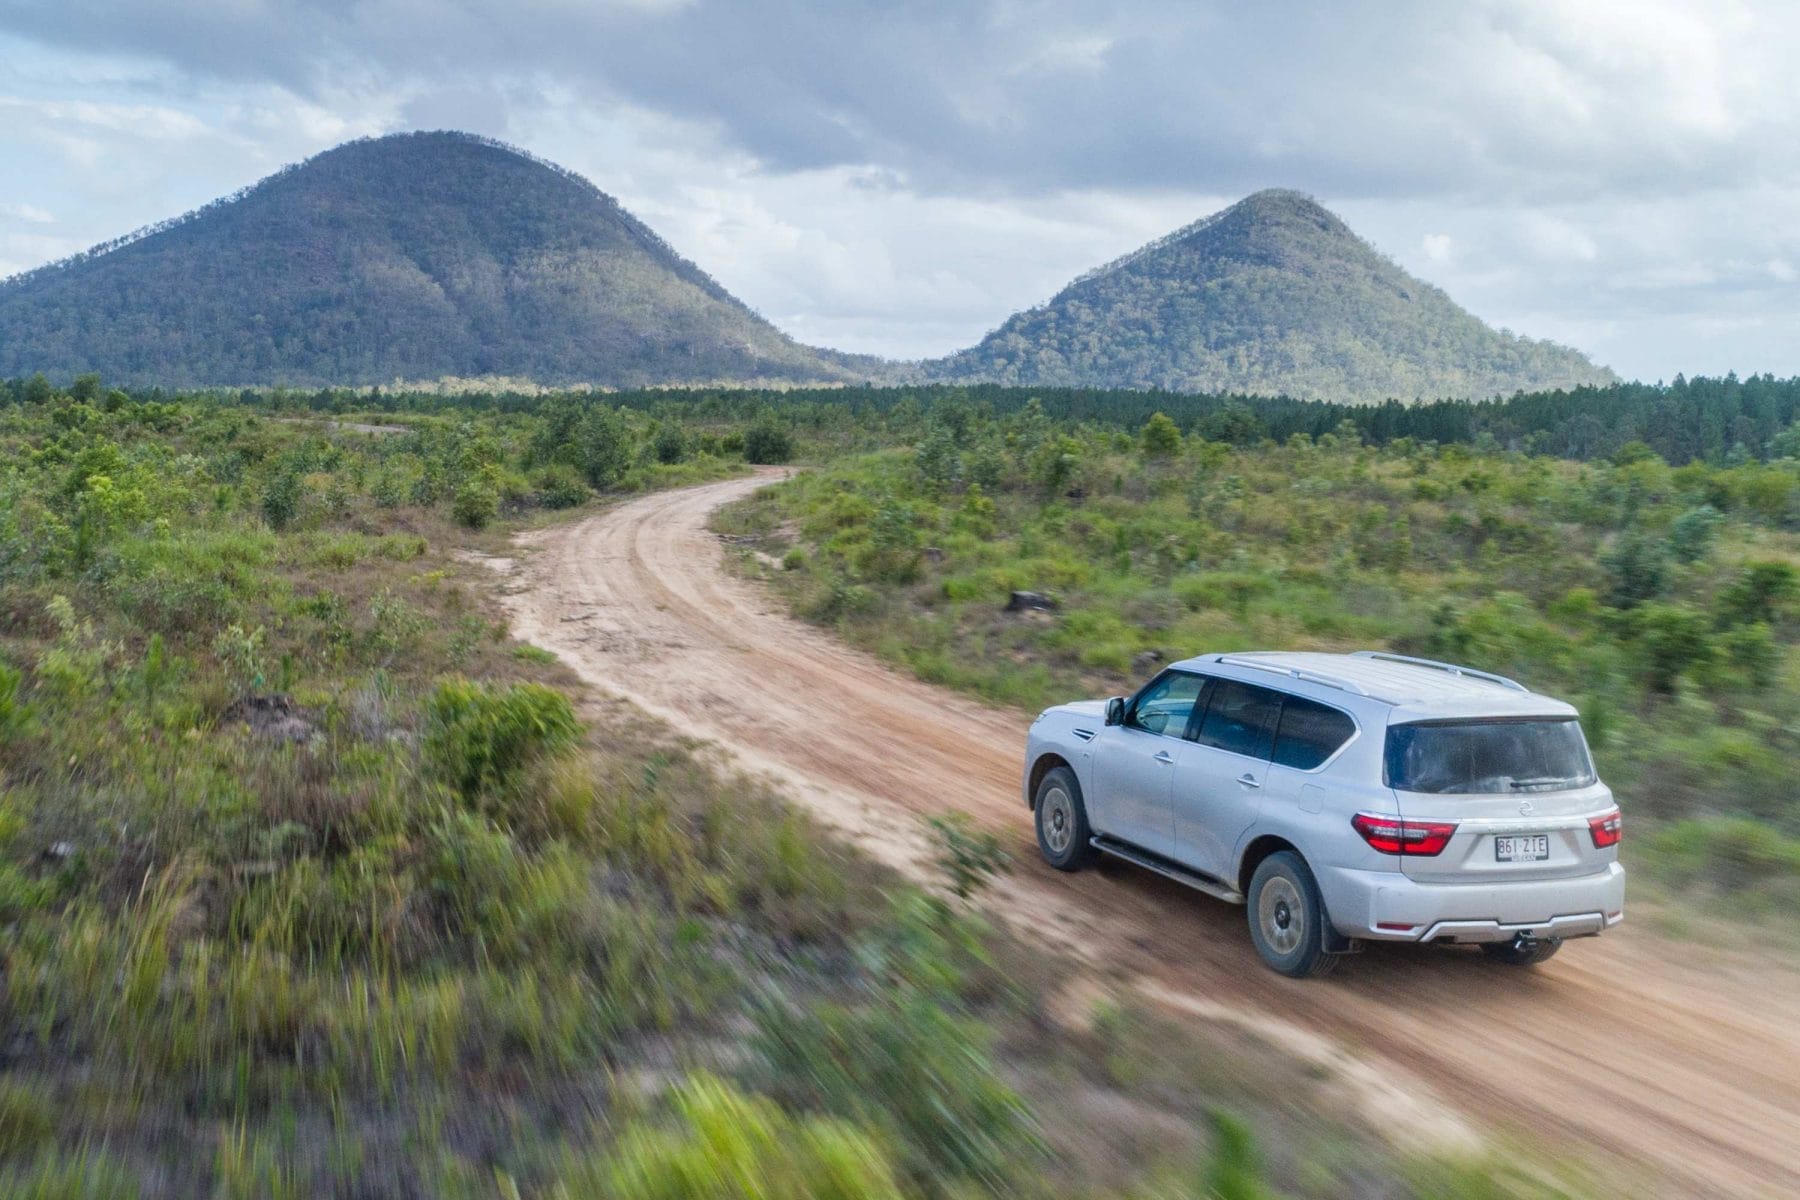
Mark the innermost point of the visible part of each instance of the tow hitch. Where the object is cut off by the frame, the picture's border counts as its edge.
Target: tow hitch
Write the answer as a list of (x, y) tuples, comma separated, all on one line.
[(1524, 942)]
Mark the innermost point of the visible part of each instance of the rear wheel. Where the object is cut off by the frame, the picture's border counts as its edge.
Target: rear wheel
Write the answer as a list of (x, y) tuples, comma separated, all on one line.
[(1062, 825), (1287, 917), (1515, 955)]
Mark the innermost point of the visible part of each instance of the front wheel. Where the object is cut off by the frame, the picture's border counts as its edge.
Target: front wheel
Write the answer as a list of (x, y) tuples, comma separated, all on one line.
[(1062, 825), (1515, 955), (1287, 917)]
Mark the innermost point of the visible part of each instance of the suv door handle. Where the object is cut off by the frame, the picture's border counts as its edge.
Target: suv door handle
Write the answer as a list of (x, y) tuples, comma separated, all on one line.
[(1249, 780), (1164, 757)]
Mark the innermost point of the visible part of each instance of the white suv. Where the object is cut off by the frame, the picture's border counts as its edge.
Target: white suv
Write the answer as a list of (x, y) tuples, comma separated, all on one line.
[(1343, 797)]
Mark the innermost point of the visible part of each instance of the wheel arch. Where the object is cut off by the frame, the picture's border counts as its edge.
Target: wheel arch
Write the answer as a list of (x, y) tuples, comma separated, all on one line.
[(1040, 767), (1254, 854)]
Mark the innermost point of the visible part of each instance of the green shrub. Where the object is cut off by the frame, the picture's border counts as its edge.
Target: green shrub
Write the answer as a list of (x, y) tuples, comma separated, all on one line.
[(281, 499), (481, 737), (26, 1111), (1160, 437), (561, 486), (670, 445), (476, 504), (767, 442), (727, 1146), (903, 1061)]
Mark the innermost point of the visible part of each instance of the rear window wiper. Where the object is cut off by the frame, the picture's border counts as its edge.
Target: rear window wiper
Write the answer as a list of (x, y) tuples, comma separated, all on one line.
[(1540, 781)]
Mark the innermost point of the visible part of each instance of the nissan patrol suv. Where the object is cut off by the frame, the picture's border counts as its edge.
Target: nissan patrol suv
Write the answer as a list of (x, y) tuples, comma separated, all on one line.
[(1341, 798)]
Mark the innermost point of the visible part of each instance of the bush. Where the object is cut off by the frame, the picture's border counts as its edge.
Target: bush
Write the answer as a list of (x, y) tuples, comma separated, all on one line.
[(1671, 641), (1161, 437), (767, 442), (1636, 570), (561, 486), (604, 445), (475, 505), (281, 500), (904, 1062), (728, 1146), (481, 737), (671, 444)]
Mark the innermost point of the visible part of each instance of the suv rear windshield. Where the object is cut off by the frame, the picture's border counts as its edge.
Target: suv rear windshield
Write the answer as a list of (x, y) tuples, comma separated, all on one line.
[(1488, 757)]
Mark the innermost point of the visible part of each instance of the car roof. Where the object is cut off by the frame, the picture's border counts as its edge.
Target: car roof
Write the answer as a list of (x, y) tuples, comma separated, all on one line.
[(1415, 689)]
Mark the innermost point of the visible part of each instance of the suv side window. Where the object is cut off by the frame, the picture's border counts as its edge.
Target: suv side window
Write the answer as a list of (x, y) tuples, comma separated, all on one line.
[(1241, 718), (1166, 704), (1309, 733)]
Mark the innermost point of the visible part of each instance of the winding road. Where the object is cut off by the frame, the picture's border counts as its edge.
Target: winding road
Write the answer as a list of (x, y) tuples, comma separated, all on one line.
[(1676, 1063)]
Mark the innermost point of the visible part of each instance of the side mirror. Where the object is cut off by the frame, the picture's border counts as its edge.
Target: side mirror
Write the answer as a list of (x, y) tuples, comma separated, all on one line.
[(1115, 711)]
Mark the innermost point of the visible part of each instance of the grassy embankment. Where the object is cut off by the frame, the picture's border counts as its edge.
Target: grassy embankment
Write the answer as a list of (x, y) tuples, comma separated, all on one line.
[(1662, 600), (313, 882)]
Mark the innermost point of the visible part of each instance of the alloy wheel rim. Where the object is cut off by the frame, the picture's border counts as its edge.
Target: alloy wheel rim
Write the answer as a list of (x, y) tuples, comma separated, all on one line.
[(1057, 818), (1281, 915)]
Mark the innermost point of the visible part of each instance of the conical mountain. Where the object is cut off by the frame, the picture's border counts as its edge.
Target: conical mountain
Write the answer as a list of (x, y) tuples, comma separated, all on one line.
[(1274, 295), (412, 257)]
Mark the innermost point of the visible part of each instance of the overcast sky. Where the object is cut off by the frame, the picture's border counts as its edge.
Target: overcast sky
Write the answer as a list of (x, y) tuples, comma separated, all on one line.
[(897, 177)]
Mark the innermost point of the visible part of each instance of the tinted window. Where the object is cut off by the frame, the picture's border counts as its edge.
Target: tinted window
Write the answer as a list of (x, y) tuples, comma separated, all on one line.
[(1166, 705), (1310, 733), (1488, 757), (1240, 718)]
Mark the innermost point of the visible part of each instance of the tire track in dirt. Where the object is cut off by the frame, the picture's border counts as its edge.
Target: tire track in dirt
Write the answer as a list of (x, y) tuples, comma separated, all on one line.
[(1679, 1060)]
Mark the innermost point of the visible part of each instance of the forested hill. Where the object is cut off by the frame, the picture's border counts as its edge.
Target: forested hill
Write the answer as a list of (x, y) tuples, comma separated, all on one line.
[(1272, 296), (416, 257)]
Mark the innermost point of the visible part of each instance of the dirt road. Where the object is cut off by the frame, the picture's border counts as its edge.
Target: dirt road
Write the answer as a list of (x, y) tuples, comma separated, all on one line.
[(1667, 1057)]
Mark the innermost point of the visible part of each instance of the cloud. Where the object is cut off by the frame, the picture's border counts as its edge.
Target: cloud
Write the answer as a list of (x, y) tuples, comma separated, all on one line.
[(899, 177)]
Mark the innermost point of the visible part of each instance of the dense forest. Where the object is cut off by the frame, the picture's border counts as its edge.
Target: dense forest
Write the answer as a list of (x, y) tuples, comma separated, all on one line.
[(1274, 295), (1721, 421)]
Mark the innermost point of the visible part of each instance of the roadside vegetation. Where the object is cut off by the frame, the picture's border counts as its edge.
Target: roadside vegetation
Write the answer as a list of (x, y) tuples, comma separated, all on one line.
[(313, 882), (1663, 599)]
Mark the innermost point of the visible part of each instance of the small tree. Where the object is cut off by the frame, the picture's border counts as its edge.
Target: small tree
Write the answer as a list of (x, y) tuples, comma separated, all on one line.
[(767, 442), (1636, 569), (936, 460), (671, 445), (1692, 535), (281, 499), (1758, 595), (605, 446), (1161, 437), (1671, 641)]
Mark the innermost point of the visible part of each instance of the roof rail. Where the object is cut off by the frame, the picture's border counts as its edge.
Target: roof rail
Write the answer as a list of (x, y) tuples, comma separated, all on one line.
[(1331, 681), (1452, 668)]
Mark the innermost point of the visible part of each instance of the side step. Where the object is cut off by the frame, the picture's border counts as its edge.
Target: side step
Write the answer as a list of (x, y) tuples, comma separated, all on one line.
[(1162, 866)]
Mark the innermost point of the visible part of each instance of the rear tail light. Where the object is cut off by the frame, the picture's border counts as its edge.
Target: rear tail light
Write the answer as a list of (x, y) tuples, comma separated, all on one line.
[(1391, 835), (1607, 829)]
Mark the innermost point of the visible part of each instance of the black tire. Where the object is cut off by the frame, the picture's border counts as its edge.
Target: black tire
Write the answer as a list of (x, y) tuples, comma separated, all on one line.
[(1288, 922), (1510, 953), (1061, 820)]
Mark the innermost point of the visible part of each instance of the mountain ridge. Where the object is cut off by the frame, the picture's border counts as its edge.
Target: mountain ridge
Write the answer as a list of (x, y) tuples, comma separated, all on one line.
[(425, 256), (1274, 294), (413, 256)]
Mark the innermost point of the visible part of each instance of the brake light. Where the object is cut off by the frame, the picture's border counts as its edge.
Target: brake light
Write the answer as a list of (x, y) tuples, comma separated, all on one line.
[(1391, 835), (1607, 829)]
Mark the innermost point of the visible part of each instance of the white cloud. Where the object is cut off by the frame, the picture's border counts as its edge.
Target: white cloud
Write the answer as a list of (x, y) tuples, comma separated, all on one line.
[(898, 178)]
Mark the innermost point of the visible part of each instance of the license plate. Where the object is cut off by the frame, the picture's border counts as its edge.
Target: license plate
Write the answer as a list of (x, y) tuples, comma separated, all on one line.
[(1531, 847)]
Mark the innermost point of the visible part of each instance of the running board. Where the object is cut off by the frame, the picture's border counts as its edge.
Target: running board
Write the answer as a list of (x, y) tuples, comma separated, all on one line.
[(1162, 866)]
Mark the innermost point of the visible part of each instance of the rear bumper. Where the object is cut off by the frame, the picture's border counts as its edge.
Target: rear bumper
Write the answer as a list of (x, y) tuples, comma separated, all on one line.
[(1387, 906)]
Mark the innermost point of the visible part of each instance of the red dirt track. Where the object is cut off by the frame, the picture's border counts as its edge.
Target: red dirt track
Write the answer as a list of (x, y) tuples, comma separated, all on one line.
[(1679, 1061)]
